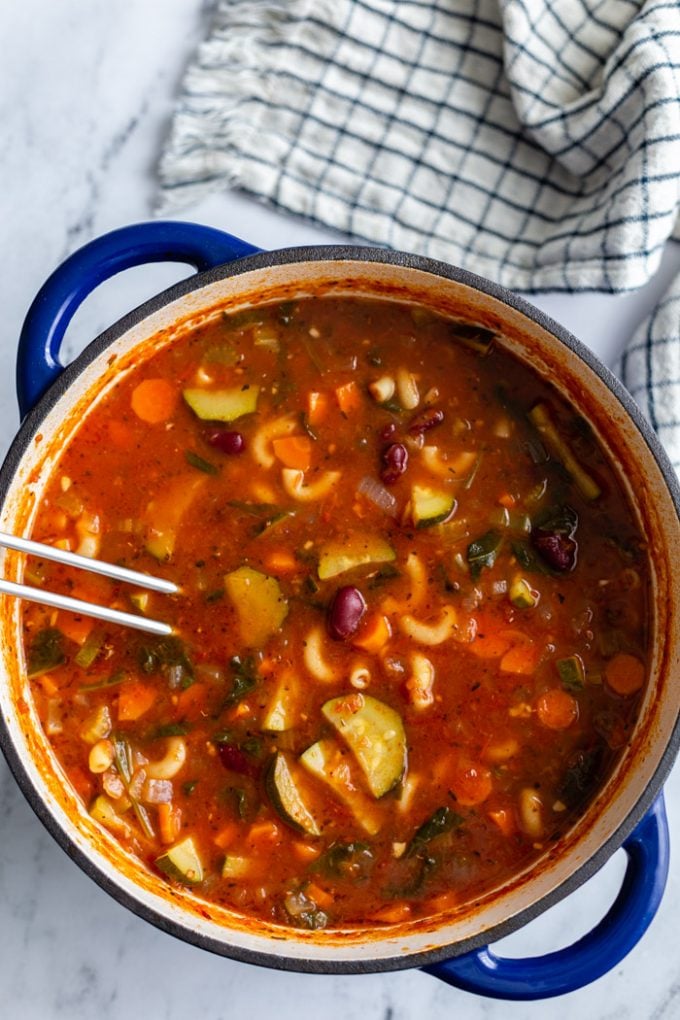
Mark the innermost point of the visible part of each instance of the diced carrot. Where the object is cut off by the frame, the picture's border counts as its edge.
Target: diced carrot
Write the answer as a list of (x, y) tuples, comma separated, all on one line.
[(504, 819), (226, 836), (49, 685), (374, 634), (521, 659), (263, 832), (471, 783), (393, 914), (306, 851), (154, 400), (507, 500), (348, 397), (76, 628), (120, 434), (282, 561), (169, 822), (556, 709), (625, 674), (294, 451), (134, 700), (317, 407), (491, 640), (191, 701), (321, 897), (240, 711)]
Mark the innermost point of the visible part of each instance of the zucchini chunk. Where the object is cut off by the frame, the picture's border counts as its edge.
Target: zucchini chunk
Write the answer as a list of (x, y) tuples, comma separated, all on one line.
[(164, 514), (285, 795), (327, 761), (182, 863), (430, 506), (375, 735), (236, 867), (336, 557), (260, 604), (222, 405)]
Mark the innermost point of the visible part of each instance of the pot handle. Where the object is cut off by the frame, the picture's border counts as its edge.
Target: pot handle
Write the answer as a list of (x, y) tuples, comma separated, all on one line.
[(541, 977), (38, 363)]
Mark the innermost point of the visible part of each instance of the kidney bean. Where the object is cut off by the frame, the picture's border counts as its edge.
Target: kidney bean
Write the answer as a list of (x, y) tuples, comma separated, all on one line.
[(558, 551), (426, 420), (345, 612), (226, 441), (234, 759), (395, 462)]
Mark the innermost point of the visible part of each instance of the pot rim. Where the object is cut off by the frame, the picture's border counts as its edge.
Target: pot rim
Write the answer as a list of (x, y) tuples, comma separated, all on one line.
[(30, 426)]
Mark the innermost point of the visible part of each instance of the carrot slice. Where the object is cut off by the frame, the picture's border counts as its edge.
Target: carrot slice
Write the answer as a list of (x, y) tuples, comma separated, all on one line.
[(556, 709), (282, 561), (471, 783), (392, 914), (625, 674), (294, 451), (191, 702), (120, 434), (134, 701), (226, 836), (154, 400), (348, 397), (522, 659), (374, 634), (321, 897)]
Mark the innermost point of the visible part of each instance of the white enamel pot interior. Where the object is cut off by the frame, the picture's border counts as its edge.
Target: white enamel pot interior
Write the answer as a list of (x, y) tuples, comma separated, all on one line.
[(644, 472)]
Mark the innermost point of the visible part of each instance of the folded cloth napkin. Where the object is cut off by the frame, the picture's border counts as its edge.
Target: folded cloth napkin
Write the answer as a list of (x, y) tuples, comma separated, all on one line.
[(536, 142)]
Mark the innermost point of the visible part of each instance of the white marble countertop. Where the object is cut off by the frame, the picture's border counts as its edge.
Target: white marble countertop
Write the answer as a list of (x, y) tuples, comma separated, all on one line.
[(86, 91)]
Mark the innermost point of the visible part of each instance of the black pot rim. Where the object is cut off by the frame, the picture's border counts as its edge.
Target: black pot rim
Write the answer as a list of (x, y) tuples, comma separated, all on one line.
[(31, 425)]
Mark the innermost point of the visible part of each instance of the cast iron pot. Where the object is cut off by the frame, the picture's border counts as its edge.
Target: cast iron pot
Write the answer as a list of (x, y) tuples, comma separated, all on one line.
[(628, 811)]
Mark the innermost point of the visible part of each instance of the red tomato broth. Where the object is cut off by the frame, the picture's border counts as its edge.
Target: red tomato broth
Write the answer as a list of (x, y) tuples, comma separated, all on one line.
[(491, 753)]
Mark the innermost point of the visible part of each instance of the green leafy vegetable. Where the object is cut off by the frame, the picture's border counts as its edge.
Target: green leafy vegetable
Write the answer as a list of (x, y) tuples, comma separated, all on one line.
[(245, 678), (346, 860), (442, 821), (483, 552), (45, 652)]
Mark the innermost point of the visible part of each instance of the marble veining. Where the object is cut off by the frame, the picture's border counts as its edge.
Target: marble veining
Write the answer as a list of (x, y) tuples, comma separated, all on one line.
[(86, 92)]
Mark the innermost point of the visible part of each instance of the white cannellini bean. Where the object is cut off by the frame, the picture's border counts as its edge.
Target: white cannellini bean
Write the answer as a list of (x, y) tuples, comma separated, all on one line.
[(531, 812), (407, 389), (101, 756), (382, 389), (172, 761)]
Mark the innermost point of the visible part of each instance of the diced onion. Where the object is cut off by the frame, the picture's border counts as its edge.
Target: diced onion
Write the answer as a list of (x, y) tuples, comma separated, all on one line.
[(378, 494), (158, 791)]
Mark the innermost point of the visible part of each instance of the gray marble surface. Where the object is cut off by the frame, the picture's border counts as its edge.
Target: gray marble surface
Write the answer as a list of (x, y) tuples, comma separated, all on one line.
[(86, 91)]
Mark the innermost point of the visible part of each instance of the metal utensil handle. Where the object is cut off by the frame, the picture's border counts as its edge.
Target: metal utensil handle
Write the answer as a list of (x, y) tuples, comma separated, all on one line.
[(541, 977), (38, 364)]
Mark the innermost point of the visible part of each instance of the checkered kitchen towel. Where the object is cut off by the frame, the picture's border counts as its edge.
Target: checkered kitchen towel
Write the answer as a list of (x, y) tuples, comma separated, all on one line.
[(536, 142)]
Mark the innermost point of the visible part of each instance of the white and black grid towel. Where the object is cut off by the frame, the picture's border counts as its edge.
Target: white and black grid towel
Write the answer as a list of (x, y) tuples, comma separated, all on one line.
[(536, 142)]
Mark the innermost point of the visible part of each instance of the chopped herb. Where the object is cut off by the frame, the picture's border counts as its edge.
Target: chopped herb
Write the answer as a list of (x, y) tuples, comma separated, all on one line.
[(442, 821), (272, 521), (255, 509), (45, 652), (392, 405), (304, 421), (125, 765), (245, 678), (242, 803), (386, 573), (189, 787), (580, 777), (483, 552), (200, 464), (215, 595)]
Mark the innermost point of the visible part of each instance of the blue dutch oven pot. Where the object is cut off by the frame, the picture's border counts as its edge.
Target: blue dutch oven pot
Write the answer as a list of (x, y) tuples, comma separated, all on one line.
[(466, 962)]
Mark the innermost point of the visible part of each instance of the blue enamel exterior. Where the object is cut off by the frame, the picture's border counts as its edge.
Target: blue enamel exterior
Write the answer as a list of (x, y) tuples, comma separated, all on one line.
[(542, 977), (38, 362), (647, 847)]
